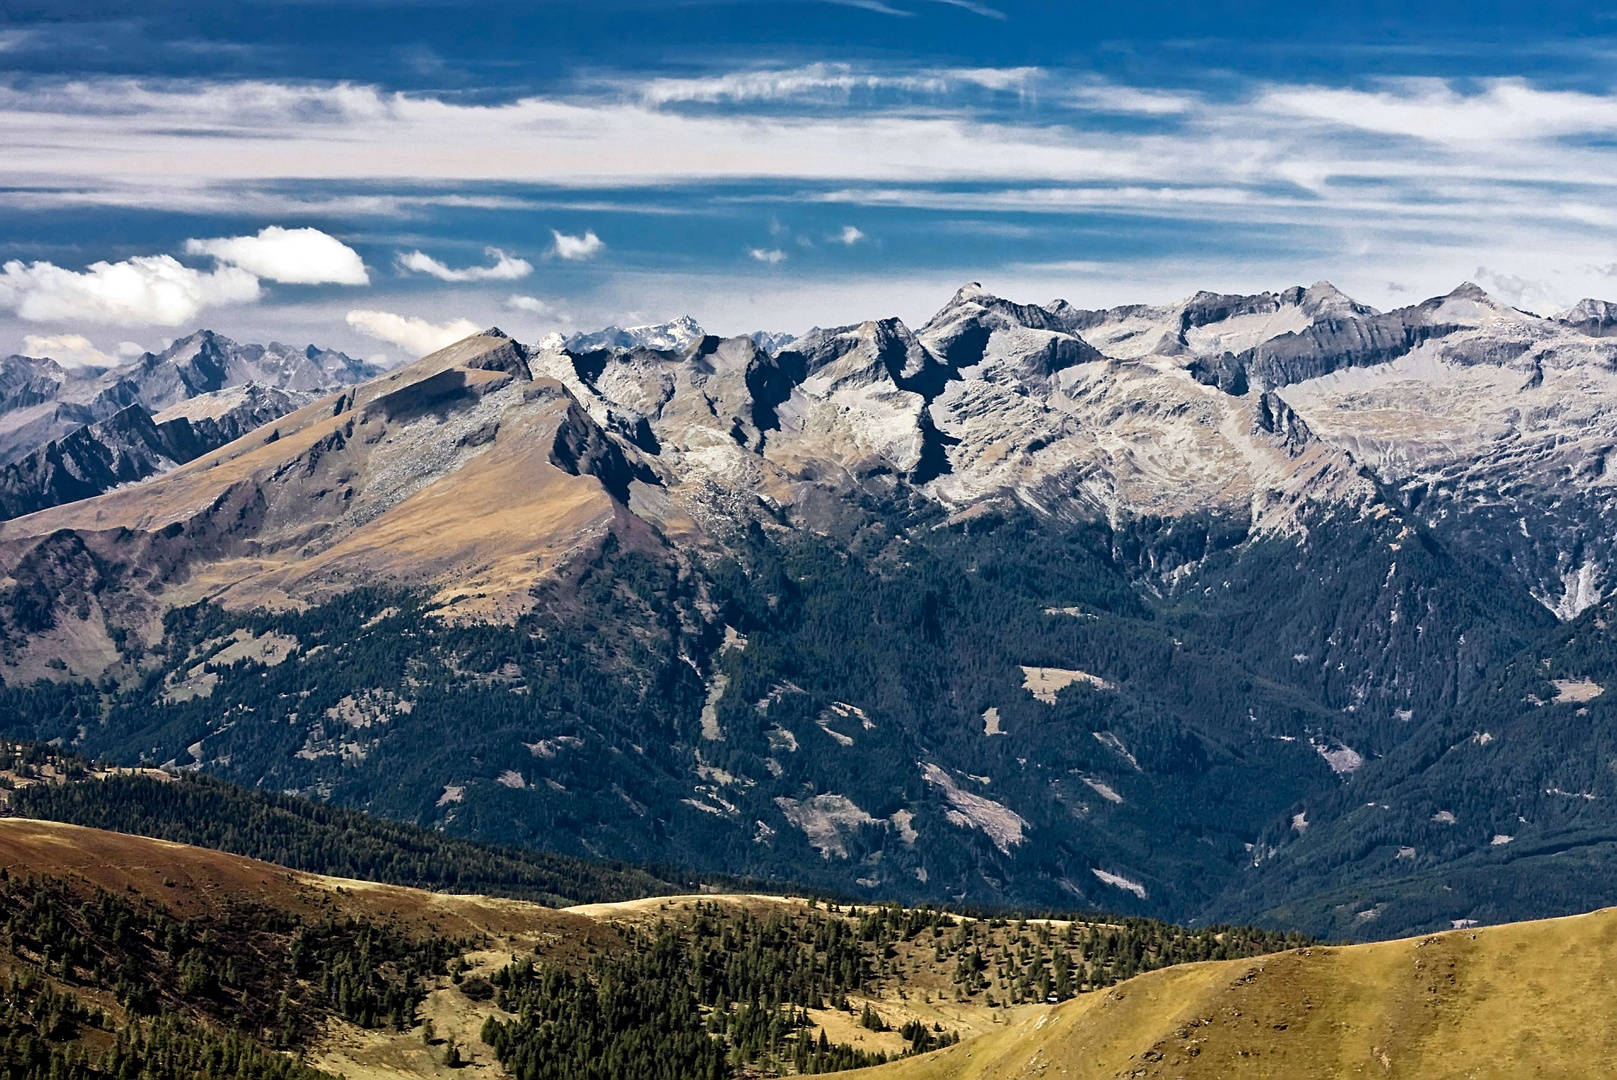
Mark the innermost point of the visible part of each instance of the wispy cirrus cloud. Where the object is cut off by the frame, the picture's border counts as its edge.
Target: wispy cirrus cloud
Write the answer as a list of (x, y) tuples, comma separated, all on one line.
[(824, 82), (1503, 112), (190, 137), (881, 7), (1383, 168), (505, 267)]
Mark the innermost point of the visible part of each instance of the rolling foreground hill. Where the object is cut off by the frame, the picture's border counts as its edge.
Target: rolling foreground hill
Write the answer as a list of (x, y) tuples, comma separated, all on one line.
[(1523, 999), (1245, 607), (128, 956)]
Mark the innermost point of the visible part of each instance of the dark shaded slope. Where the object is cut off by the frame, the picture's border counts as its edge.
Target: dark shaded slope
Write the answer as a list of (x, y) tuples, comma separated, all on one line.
[(322, 839), (1502, 807)]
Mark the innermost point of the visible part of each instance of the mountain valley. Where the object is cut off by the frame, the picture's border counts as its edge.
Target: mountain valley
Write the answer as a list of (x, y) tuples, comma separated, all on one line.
[(1248, 608)]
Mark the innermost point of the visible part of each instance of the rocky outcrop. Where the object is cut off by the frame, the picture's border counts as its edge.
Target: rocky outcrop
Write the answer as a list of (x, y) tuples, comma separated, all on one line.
[(1280, 423)]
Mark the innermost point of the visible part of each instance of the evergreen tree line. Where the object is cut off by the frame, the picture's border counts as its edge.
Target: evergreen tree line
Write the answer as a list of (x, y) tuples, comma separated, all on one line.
[(305, 835)]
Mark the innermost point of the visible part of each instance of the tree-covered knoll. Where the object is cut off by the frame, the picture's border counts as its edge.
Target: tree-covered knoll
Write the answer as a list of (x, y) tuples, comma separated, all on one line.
[(714, 990)]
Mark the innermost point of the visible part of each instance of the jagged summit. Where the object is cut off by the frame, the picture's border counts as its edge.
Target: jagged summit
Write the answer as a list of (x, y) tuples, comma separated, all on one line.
[(55, 440)]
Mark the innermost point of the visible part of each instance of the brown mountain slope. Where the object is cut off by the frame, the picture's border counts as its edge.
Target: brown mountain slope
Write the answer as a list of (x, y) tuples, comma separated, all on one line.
[(1525, 999), (461, 473), (193, 881)]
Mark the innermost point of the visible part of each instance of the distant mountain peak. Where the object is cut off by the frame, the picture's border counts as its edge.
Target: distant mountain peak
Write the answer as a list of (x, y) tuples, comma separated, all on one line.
[(1324, 298), (676, 335), (1596, 318)]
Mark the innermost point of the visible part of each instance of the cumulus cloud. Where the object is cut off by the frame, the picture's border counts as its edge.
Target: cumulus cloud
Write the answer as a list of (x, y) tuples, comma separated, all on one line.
[(69, 350), (415, 335), (505, 267), (849, 235), (289, 256), (770, 255), (578, 247), (531, 304), (147, 290)]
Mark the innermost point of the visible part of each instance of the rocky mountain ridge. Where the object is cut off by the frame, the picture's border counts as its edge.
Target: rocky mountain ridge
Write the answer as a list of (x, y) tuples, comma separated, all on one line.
[(1029, 604)]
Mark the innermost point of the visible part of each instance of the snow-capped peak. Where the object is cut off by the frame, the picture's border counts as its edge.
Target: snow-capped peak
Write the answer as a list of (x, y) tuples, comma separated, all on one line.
[(673, 336)]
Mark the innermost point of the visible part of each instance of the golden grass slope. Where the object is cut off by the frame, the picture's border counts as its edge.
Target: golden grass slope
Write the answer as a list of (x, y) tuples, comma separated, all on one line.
[(1522, 1000)]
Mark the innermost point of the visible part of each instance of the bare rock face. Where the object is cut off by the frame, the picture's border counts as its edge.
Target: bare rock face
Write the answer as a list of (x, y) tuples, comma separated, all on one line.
[(41, 402), (1266, 411), (1336, 508), (71, 434), (1594, 318), (1281, 423)]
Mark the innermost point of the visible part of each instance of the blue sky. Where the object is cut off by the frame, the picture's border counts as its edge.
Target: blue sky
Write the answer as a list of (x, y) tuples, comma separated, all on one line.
[(374, 176)]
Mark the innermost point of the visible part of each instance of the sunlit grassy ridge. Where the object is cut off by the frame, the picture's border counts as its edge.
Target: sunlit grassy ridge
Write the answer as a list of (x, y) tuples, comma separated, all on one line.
[(1525, 999)]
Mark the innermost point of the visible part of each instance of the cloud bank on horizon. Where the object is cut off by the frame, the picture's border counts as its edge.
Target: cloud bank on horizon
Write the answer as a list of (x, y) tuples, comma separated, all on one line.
[(790, 181)]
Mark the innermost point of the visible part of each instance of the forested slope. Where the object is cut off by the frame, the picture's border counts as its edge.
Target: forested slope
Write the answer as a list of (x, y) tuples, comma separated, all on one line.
[(191, 808)]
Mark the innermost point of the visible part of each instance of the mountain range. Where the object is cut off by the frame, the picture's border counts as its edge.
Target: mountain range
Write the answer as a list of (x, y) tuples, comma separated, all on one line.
[(70, 433), (1269, 607)]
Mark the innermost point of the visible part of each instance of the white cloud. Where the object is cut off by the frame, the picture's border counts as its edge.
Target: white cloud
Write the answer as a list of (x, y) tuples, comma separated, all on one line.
[(578, 247), (531, 304), (1529, 294), (1504, 110), (850, 235), (69, 350), (415, 335), (827, 83), (147, 290), (290, 256), (770, 256), (505, 267), (1111, 98), (1389, 178), (128, 350)]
